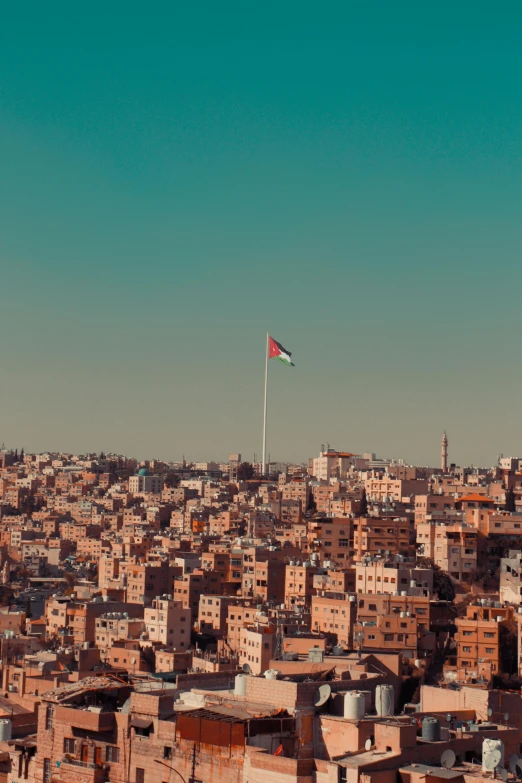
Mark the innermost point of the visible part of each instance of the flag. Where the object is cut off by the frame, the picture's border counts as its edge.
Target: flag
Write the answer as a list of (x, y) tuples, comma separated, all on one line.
[(276, 351), (279, 751)]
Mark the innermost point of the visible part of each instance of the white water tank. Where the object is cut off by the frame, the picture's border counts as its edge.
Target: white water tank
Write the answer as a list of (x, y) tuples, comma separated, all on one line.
[(354, 705), (368, 700), (6, 730), (272, 674), (240, 685), (384, 700), (489, 746)]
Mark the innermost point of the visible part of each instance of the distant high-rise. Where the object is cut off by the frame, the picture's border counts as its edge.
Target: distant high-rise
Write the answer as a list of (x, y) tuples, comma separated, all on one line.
[(444, 453)]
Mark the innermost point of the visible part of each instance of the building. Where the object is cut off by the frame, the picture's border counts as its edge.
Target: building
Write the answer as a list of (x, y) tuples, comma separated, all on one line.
[(143, 483), (168, 623)]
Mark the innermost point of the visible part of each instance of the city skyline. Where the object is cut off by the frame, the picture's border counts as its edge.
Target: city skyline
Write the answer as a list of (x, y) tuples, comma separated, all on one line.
[(170, 192)]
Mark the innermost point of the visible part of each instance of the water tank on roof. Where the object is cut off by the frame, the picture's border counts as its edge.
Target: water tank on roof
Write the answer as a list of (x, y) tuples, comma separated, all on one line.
[(354, 705), (6, 730), (272, 674), (430, 729), (384, 700), (338, 650), (240, 684), (404, 592)]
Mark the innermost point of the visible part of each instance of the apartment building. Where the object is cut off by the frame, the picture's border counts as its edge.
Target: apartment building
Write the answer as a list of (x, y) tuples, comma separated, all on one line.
[(334, 614), (392, 576), (299, 584), (382, 536), (453, 546), (168, 623)]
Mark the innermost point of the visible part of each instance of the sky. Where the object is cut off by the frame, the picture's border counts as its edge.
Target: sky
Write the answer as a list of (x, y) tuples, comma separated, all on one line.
[(178, 179)]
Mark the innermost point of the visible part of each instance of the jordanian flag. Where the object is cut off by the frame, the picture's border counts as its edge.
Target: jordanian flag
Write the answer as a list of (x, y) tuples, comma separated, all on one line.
[(276, 351)]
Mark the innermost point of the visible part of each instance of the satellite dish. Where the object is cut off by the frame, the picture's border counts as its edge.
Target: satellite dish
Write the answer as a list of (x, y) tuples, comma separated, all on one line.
[(513, 763), (501, 773), (448, 717), (321, 695), (246, 668), (492, 760), (448, 759), (518, 769), (506, 716), (490, 712), (368, 744)]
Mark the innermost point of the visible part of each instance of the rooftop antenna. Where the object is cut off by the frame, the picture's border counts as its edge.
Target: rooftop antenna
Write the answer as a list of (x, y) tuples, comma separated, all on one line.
[(492, 760), (448, 759), (322, 694)]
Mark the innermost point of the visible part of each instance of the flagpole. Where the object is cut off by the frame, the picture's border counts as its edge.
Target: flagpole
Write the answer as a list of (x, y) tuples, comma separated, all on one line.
[(264, 416)]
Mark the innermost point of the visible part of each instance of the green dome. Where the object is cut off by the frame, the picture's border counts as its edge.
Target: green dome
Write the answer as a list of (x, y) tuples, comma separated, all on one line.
[(143, 472)]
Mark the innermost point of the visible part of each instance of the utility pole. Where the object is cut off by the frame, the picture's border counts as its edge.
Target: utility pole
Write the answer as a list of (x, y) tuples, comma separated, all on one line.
[(193, 768)]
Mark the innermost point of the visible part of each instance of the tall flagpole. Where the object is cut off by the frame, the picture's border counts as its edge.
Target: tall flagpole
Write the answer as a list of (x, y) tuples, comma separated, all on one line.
[(264, 417)]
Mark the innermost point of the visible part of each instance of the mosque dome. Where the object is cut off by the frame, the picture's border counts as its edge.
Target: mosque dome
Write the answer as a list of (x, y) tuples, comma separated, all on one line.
[(143, 472)]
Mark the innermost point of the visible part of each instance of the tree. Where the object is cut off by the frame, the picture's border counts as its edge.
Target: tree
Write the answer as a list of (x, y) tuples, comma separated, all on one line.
[(510, 501), (442, 581), (311, 506), (443, 585), (245, 471), (507, 633), (22, 454), (364, 504)]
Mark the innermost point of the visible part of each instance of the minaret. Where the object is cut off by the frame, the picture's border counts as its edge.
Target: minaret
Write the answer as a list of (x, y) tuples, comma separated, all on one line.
[(444, 453)]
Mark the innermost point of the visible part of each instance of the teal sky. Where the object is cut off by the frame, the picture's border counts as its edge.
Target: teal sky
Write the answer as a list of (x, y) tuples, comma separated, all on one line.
[(177, 179)]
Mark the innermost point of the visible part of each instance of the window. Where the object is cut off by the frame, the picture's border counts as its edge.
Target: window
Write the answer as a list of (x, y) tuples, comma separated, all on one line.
[(167, 752), (112, 754), (466, 649), (490, 649), (488, 635), (69, 746), (47, 771), (49, 715), (140, 775)]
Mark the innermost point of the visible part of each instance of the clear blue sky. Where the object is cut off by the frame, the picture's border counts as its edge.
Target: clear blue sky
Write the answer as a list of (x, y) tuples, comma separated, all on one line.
[(175, 179)]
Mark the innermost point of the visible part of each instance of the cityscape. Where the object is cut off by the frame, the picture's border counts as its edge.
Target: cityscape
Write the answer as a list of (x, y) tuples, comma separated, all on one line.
[(348, 618), (260, 450)]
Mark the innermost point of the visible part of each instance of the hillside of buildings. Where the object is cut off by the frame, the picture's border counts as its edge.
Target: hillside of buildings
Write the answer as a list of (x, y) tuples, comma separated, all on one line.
[(346, 620)]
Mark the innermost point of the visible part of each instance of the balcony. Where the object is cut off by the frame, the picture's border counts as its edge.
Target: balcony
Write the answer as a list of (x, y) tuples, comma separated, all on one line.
[(85, 719)]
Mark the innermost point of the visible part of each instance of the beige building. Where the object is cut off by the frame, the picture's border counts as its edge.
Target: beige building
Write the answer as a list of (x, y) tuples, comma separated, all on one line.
[(167, 622), (143, 483), (332, 464), (380, 576), (257, 648), (452, 546)]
